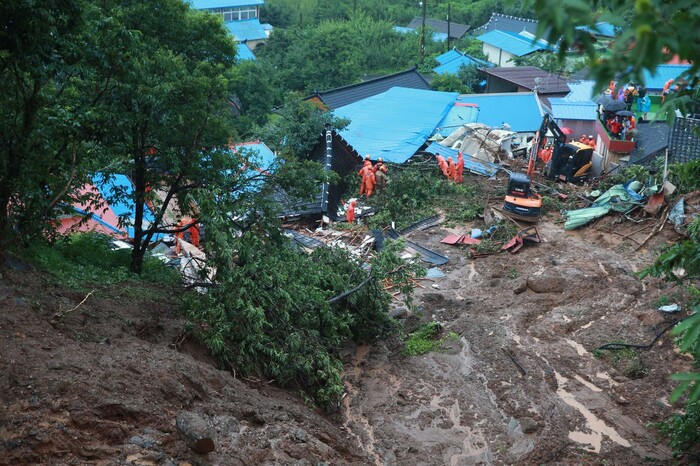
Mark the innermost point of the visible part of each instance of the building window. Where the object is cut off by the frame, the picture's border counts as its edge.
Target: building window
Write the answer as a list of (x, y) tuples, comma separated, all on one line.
[(236, 14)]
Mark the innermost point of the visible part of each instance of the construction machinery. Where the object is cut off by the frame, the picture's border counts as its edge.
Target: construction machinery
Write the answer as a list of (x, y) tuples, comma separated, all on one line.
[(569, 162)]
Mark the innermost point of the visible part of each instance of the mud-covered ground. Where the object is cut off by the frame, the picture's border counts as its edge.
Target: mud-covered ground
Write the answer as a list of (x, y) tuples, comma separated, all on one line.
[(104, 381), (522, 385)]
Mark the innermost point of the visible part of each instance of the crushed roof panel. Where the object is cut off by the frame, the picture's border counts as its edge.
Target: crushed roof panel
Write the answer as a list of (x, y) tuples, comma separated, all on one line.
[(524, 76), (457, 30), (346, 95), (247, 29), (460, 114), (396, 123), (507, 23), (564, 109), (209, 4), (657, 79), (512, 42), (519, 110)]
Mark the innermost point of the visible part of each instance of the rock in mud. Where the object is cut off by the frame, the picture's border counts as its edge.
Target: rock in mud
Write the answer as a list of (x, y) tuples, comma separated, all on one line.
[(528, 425), (546, 284), (520, 286), (399, 313), (197, 432)]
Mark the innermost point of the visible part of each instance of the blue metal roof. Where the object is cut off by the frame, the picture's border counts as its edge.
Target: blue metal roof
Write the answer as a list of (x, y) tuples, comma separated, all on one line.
[(656, 80), (259, 154), (565, 109), (118, 191), (460, 114), (448, 56), (581, 91), (208, 4), (453, 66), (247, 29), (244, 53), (396, 123), (436, 36), (519, 109), (512, 42), (601, 29)]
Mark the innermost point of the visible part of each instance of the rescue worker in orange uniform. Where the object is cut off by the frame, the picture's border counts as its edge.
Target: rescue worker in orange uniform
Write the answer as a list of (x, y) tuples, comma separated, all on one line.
[(442, 163), (367, 165), (350, 211), (591, 141), (451, 169), (368, 180), (460, 167), (380, 173)]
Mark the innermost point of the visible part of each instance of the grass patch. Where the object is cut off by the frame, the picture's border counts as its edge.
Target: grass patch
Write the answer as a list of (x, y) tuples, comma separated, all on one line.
[(85, 259), (626, 360), (426, 339)]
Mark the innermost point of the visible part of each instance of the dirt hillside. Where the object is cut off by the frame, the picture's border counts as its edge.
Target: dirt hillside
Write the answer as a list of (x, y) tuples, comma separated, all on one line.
[(113, 381)]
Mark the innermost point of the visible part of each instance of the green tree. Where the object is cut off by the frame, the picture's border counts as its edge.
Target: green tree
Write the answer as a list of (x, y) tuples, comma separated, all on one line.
[(47, 111), (297, 127), (169, 102)]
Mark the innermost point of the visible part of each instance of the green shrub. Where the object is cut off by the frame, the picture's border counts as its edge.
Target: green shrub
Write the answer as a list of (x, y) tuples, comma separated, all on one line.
[(683, 430), (270, 314), (426, 339)]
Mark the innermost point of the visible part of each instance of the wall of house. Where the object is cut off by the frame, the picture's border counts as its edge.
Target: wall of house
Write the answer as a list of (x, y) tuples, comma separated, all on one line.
[(494, 85), (579, 127), (497, 56)]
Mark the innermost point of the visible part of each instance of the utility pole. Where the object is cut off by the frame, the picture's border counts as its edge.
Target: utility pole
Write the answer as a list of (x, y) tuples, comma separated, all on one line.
[(448, 26), (354, 6), (424, 4)]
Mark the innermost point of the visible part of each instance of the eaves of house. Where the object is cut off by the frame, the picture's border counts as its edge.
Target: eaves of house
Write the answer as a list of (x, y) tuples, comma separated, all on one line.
[(513, 43), (530, 78), (507, 23)]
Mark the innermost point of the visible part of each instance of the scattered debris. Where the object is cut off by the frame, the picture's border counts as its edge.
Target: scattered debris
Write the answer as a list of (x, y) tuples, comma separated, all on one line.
[(528, 234), (670, 308)]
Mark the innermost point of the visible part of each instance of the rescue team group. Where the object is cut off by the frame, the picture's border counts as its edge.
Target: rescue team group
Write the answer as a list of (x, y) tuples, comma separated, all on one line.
[(374, 176)]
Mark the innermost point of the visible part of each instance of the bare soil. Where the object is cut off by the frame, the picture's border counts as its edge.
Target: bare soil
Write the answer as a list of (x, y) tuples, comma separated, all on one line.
[(106, 383)]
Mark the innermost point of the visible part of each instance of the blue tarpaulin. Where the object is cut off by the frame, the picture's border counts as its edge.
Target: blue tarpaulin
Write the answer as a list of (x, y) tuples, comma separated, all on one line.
[(396, 123), (471, 164)]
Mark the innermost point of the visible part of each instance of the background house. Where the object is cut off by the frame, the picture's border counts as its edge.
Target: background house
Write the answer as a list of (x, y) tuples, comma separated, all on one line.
[(341, 96), (525, 79), (501, 47), (241, 18), (450, 62), (576, 110), (439, 28), (506, 23)]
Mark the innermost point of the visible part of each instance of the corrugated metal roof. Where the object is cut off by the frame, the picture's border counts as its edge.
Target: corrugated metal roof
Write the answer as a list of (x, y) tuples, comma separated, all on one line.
[(208, 4), (601, 29), (346, 95), (524, 76), (471, 164), (507, 23), (684, 143), (448, 56), (457, 30), (565, 109), (261, 155), (655, 81), (581, 91), (512, 42), (396, 123), (461, 59), (518, 109), (459, 114), (247, 29), (244, 53), (651, 140)]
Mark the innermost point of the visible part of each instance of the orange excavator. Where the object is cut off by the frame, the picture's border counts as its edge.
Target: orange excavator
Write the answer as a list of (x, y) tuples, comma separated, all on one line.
[(570, 162)]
